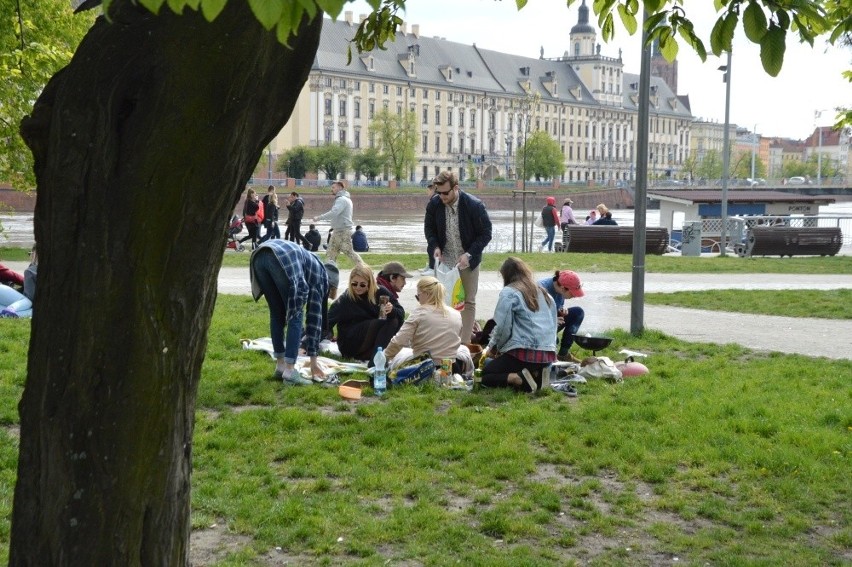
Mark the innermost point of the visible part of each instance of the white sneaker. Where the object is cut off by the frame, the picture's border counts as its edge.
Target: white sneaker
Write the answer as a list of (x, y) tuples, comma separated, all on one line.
[(427, 272)]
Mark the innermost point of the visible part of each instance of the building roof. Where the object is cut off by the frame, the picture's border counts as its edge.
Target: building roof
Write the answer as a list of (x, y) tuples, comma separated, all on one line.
[(689, 197)]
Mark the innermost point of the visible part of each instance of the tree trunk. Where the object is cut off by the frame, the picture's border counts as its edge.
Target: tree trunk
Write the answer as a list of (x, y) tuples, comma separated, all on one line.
[(142, 147)]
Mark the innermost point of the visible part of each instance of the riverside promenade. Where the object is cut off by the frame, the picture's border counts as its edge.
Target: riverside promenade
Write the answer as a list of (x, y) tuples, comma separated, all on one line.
[(831, 338)]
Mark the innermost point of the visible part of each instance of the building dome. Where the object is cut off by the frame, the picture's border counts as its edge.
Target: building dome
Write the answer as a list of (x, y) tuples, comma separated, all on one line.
[(582, 25)]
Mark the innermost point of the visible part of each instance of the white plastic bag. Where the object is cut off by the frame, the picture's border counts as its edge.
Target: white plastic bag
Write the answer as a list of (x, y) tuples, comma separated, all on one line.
[(539, 221), (451, 280), (602, 367)]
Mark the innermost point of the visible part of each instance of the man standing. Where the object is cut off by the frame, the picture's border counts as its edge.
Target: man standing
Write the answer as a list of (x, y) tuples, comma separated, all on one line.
[(296, 206), (340, 218), (458, 228), (292, 279)]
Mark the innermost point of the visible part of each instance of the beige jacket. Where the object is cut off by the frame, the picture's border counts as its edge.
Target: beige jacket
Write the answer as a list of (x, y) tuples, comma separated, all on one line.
[(429, 329)]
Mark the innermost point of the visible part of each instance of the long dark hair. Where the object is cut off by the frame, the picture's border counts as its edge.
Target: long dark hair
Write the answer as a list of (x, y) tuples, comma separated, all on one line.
[(517, 274)]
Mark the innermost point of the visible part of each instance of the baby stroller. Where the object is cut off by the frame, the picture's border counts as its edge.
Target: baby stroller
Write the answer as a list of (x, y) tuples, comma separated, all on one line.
[(235, 227)]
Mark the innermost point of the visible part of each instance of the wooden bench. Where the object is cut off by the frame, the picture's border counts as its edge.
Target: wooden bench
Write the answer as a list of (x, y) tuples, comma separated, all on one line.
[(611, 239), (786, 241)]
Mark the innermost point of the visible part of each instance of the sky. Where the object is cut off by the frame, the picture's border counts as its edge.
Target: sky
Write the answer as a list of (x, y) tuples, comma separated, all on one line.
[(783, 106)]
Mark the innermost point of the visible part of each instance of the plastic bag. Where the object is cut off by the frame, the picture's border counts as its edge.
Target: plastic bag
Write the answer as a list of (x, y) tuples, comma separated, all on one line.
[(539, 221), (604, 368), (452, 283)]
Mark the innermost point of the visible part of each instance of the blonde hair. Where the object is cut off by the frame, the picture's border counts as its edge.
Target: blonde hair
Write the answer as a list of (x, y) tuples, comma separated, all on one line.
[(363, 271), (273, 198), (445, 176), (602, 209), (431, 292), (251, 193)]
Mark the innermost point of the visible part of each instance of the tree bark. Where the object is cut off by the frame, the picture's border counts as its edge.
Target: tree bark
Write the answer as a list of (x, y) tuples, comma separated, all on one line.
[(142, 147)]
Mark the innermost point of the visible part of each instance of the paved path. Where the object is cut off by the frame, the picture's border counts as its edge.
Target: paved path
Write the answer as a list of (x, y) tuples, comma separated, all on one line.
[(812, 337)]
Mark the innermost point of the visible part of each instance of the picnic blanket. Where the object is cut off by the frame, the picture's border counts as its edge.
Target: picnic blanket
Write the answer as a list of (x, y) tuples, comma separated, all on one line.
[(329, 367)]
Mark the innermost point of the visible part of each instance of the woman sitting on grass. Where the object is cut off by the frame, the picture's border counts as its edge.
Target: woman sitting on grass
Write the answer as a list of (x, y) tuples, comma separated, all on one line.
[(355, 313), (14, 304), (524, 336), (432, 326)]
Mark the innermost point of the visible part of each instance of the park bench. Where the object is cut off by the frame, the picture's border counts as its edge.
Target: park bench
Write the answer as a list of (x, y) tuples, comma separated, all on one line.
[(786, 241), (611, 239)]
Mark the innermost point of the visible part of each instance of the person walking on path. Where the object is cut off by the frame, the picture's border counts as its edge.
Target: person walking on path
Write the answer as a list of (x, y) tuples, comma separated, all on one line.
[(567, 213), (296, 208), (550, 220), (252, 217), (292, 279), (457, 226), (270, 214), (340, 218), (565, 284)]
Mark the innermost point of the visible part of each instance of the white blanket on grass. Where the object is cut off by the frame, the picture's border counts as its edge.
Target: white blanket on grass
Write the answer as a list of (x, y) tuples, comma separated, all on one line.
[(328, 366)]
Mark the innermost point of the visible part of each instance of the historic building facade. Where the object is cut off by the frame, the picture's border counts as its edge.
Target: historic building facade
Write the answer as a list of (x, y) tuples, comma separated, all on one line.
[(475, 107)]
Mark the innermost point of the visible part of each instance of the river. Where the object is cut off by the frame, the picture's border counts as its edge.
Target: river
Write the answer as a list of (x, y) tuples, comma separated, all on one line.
[(403, 232)]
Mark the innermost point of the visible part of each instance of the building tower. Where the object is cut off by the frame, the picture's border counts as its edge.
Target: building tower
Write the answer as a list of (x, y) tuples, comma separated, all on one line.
[(583, 35), (662, 68)]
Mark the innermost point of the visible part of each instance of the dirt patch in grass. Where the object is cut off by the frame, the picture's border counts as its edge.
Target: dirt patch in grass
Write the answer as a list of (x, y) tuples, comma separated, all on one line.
[(14, 431), (213, 544)]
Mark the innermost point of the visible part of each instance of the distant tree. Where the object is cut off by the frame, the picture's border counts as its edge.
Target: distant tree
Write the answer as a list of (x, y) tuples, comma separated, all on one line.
[(741, 166), (369, 162), (792, 168), (710, 166), (37, 38), (296, 161), (332, 159), (396, 138), (540, 156), (689, 167)]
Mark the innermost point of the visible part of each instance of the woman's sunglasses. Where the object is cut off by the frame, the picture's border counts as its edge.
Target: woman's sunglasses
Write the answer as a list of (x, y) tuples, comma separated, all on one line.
[(358, 284)]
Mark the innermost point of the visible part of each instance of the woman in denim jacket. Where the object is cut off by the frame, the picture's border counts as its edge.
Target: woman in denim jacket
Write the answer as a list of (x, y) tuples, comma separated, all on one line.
[(524, 337)]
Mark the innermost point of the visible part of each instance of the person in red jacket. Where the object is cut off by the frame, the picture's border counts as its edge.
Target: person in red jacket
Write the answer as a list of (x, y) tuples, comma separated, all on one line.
[(10, 277)]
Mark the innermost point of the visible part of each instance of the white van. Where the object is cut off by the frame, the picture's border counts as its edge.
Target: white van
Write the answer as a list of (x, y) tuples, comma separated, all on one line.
[(797, 180)]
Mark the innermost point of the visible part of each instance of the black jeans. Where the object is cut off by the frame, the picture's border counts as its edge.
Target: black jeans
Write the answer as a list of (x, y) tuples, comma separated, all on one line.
[(496, 372)]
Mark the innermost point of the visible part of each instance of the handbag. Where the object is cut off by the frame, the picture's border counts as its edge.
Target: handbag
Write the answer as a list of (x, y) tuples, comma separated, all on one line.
[(454, 289), (539, 221)]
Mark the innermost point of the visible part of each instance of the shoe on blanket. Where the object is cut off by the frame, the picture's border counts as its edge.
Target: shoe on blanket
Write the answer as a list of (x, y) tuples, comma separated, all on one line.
[(9, 314)]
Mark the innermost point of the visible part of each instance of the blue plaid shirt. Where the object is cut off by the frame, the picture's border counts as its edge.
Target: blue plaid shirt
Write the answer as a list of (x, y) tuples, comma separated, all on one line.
[(309, 282)]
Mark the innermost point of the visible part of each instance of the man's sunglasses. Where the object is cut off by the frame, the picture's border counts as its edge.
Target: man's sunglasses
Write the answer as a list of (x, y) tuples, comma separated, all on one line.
[(358, 284), (445, 193)]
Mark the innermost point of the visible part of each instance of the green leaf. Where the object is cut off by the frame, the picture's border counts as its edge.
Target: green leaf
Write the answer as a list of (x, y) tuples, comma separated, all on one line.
[(654, 20), (723, 33), (212, 8), (687, 33), (628, 19), (267, 12), (193, 4), (607, 29), (754, 22), (310, 8), (152, 6), (176, 6), (520, 3), (331, 7), (772, 48), (668, 45)]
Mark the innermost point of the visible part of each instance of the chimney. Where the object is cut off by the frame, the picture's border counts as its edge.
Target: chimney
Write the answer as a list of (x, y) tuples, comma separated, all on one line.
[(362, 17), (415, 30), (347, 16), (404, 28)]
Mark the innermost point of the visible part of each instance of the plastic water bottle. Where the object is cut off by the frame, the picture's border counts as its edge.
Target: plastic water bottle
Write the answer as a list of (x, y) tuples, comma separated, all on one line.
[(379, 372)]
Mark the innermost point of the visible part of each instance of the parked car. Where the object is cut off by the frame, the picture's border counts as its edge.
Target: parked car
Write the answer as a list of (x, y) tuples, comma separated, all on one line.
[(797, 180), (756, 181)]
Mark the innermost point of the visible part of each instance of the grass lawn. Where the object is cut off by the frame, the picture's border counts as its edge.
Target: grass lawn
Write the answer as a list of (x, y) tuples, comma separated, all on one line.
[(720, 456), (590, 263), (822, 304)]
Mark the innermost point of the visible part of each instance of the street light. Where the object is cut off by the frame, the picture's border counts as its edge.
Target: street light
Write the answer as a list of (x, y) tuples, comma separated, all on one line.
[(726, 158), (753, 144)]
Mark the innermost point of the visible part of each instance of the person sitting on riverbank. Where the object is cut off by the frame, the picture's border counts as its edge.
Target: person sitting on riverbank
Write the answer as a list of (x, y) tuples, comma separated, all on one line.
[(364, 320), (566, 215), (524, 335), (431, 326), (14, 304), (565, 284), (312, 238), (591, 217), (359, 240), (393, 278)]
